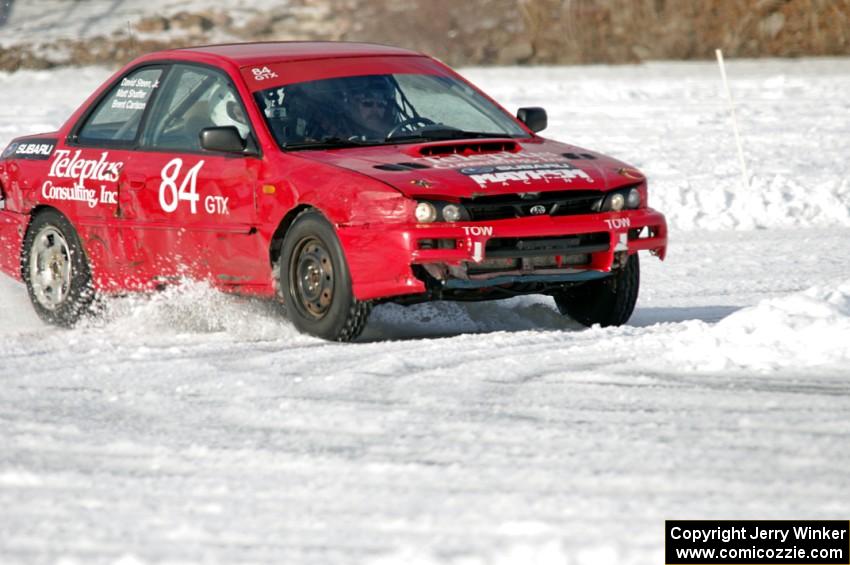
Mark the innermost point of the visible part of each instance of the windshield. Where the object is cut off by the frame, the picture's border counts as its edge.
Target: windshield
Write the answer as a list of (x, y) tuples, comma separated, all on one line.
[(377, 109)]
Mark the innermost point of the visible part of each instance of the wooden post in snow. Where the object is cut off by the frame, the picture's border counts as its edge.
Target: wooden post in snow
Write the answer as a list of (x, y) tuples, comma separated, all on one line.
[(745, 176)]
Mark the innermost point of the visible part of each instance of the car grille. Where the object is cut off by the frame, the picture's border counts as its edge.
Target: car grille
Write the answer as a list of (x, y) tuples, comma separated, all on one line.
[(542, 246), (507, 206), (532, 253)]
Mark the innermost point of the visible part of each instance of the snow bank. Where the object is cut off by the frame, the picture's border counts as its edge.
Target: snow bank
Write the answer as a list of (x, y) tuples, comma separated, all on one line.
[(804, 330), (669, 119), (672, 121)]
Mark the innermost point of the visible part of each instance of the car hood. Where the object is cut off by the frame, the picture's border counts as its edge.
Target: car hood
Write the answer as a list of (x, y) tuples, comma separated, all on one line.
[(472, 168)]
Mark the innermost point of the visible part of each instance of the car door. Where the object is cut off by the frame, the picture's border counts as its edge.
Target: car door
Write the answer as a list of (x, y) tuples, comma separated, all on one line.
[(196, 208), (87, 168)]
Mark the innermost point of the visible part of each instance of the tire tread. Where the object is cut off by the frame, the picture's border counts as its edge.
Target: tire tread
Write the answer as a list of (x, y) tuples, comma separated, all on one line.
[(607, 302)]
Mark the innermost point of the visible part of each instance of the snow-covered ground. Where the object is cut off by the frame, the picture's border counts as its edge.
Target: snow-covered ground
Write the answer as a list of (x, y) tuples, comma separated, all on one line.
[(193, 427)]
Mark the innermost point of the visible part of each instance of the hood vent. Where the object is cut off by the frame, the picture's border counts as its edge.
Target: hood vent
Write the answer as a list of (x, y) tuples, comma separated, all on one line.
[(468, 148), (577, 156), (402, 166)]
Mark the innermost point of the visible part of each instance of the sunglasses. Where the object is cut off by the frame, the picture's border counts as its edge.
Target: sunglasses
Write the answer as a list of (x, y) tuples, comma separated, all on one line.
[(373, 104)]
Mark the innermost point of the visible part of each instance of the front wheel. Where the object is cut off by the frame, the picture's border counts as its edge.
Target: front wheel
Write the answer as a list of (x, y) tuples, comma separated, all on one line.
[(55, 270), (315, 281), (607, 302)]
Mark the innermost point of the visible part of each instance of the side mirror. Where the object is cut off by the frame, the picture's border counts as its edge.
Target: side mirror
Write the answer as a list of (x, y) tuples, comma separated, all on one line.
[(226, 139), (534, 118)]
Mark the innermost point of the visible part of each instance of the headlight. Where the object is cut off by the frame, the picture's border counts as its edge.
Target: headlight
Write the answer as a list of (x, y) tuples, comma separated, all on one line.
[(616, 201), (451, 213), (425, 213)]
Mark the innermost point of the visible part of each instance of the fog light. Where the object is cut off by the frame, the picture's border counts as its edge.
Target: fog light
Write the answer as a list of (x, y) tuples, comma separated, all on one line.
[(425, 212), (633, 199), (617, 202), (451, 212)]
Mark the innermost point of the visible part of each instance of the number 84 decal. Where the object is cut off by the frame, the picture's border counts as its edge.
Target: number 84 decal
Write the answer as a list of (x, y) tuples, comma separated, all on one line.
[(170, 195)]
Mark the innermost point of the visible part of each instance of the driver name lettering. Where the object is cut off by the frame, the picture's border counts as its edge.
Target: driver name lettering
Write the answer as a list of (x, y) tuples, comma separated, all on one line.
[(132, 94), (128, 105), (139, 83)]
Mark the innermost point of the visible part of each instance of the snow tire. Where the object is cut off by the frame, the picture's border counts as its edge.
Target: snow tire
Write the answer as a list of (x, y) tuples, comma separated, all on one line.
[(56, 271), (607, 302), (315, 282)]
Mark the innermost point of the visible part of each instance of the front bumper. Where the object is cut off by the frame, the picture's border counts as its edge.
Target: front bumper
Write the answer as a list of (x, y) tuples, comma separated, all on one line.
[(381, 258)]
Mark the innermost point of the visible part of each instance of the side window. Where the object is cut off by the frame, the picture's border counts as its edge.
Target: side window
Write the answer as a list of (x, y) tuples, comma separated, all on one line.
[(193, 98), (119, 115)]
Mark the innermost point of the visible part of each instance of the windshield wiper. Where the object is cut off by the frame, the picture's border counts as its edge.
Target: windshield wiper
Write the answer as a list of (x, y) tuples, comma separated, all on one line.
[(328, 143), (444, 133)]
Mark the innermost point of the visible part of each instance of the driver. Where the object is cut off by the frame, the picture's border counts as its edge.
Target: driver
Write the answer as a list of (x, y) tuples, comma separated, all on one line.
[(228, 112), (372, 108)]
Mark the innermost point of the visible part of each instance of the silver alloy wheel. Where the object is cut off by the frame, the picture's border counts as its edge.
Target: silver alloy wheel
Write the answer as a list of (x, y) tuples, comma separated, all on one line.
[(50, 268)]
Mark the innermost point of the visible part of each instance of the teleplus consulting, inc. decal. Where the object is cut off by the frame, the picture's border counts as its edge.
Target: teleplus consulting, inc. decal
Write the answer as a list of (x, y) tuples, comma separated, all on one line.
[(100, 170)]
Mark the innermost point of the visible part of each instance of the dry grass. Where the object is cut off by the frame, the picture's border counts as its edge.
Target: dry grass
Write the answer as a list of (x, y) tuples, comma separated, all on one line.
[(514, 31)]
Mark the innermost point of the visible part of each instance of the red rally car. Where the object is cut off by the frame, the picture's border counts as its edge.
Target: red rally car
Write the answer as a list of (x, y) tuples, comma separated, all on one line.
[(330, 176)]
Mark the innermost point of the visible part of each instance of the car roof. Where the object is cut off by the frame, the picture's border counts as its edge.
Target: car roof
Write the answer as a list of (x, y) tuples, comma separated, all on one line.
[(250, 54)]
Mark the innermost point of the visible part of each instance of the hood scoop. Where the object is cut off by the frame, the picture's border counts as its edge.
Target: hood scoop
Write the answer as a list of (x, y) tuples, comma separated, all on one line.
[(468, 148), (401, 167)]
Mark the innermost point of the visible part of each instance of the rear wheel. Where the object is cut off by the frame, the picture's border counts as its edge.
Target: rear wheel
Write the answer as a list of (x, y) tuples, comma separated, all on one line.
[(607, 302), (315, 281), (56, 271)]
